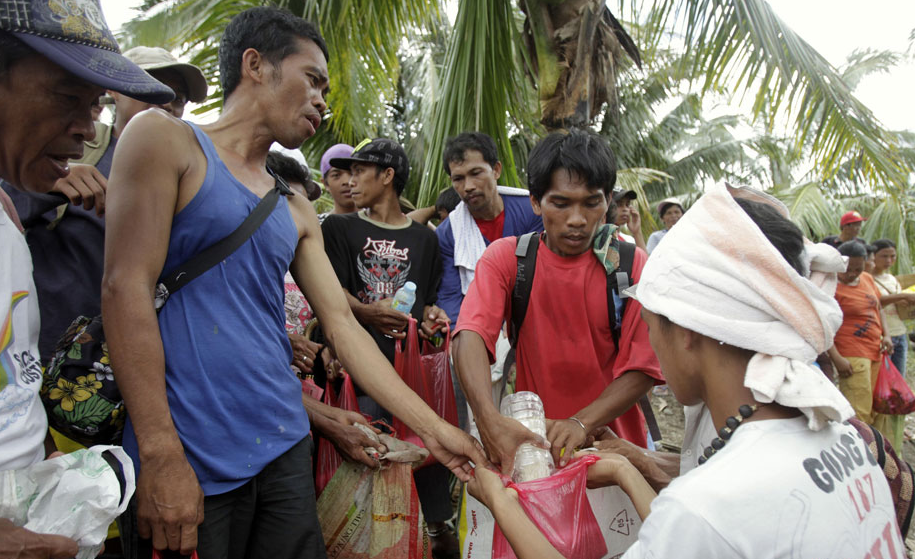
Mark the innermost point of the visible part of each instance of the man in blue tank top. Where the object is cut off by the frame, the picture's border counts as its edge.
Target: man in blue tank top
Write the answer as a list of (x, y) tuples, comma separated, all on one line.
[(216, 424)]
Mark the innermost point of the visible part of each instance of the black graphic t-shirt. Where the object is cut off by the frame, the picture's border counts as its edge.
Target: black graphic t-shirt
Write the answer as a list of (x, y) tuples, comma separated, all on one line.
[(373, 260)]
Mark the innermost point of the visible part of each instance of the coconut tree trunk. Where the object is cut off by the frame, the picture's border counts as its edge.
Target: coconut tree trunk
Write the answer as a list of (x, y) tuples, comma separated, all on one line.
[(576, 46)]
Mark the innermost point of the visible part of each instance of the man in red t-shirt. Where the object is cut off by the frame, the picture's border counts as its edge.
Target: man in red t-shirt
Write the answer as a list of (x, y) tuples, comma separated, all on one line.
[(565, 349)]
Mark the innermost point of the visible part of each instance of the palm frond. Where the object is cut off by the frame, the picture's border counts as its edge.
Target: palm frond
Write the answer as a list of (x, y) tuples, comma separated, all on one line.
[(745, 47), (892, 218), (814, 213), (483, 88)]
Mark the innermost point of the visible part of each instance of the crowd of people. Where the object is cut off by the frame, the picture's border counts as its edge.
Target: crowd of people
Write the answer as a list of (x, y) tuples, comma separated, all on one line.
[(553, 283)]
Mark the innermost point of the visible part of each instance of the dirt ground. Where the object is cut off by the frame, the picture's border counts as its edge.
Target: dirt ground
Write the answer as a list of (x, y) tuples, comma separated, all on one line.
[(669, 414)]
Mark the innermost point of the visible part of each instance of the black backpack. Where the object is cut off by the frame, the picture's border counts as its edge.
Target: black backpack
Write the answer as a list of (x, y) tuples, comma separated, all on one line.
[(526, 251), (617, 282)]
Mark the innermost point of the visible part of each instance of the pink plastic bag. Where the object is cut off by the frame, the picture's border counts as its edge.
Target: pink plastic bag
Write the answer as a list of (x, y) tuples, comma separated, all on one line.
[(328, 457), (892, 395), (559, 507), (429, 375)]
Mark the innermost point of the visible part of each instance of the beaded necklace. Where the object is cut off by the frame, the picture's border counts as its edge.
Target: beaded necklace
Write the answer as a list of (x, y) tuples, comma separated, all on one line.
[(730, 425)]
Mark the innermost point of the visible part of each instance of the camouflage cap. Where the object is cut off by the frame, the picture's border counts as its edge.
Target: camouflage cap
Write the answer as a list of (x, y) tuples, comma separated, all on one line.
[(74, 35)]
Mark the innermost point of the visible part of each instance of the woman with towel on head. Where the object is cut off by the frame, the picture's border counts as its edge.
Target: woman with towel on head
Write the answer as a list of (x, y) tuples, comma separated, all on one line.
[(739, 306)]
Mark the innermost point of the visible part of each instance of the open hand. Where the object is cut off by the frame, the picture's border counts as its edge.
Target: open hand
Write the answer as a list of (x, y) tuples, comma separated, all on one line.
[(454, 449), (644, 463), (635, 219)]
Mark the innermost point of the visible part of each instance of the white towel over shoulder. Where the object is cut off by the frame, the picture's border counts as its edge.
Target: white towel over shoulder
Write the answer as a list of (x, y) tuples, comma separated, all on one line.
[(468, 241)]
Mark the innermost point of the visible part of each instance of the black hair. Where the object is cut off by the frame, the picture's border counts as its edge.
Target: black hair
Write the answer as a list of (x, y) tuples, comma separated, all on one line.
[(882, 244), (271, 31), (870, 249), (579, 151), (853, 249), (291, 170), (784, 235), (612, 210), (457, 147), (447, 200), (12, 50)]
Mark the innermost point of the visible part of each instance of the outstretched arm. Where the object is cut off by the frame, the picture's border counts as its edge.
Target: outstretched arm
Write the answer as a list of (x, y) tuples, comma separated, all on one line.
[(501, 435), (525, 539), (362, 359), (615, 469)]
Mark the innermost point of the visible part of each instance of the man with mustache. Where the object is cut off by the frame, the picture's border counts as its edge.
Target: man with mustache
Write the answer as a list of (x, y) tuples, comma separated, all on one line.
[(487, 212)]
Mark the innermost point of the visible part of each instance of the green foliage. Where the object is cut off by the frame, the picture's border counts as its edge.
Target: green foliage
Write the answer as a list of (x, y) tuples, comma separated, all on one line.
[(399, 69), (483, 87), (744, 47)]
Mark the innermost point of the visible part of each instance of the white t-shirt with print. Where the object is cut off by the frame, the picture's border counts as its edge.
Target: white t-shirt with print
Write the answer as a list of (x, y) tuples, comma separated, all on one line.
[(23, 423), (777, 490)]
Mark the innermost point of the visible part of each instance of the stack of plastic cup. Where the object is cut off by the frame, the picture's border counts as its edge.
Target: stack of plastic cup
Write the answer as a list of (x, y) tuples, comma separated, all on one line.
[(531, 462)]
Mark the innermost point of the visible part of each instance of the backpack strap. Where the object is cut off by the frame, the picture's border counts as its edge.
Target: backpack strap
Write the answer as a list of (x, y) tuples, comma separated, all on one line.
[(191, 269), (617, 282), (526, 252)]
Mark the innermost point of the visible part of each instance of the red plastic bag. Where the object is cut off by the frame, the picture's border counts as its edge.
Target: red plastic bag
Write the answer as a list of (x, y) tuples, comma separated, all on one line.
[(328, 457), (559, 507), (892, 395), (429, 375)]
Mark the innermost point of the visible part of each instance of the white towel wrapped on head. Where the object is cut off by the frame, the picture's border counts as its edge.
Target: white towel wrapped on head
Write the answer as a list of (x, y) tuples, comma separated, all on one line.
[(718, 275)]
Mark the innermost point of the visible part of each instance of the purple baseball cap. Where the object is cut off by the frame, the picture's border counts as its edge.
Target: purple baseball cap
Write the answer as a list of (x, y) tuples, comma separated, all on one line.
[(75, 36), (339, 150)]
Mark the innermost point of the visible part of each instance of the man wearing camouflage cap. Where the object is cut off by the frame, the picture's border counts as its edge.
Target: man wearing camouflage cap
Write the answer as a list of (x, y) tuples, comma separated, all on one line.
[(67, 239), (55, 61)]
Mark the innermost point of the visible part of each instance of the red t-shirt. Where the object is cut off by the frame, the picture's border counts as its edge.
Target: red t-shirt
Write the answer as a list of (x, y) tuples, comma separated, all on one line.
[(492, 228), (565, 348), (860, 333)]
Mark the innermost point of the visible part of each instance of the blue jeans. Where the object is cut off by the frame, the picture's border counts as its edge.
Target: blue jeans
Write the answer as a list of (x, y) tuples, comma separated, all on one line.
[(900, 349)]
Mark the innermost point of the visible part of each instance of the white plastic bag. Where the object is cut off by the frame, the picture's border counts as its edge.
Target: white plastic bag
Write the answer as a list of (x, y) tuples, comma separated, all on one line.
[(75, 495)]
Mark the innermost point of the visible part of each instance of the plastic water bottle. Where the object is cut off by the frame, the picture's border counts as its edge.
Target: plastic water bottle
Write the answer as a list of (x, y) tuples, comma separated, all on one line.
[(405, 298), (531, 462)]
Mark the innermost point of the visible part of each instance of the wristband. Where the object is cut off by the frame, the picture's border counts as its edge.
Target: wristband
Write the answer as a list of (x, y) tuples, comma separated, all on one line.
[(576, 420)]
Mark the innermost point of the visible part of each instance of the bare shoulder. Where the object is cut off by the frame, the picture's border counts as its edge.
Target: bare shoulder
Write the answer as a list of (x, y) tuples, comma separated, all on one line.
[(158, 151), (155, 137), (158, 130)]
